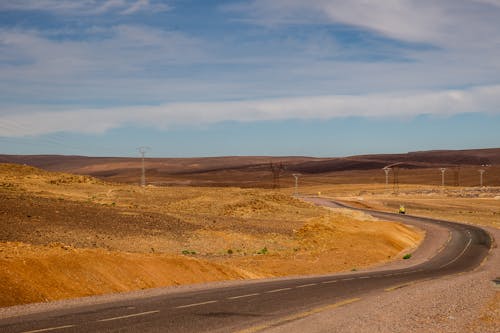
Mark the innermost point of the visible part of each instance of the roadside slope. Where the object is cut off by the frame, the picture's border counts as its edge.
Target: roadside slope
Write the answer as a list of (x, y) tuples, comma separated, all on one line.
[(36, 273)]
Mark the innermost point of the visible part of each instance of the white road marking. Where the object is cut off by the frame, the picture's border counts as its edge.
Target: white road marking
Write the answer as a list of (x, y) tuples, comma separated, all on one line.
[(348, 279), (364, 277), (50, 329), (306, 285), (130, 315), (243, 296), (331, 281), (461, 253), (277, 290), (194, 304)]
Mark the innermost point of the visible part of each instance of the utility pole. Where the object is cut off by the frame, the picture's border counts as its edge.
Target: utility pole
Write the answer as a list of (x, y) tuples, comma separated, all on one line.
[(481, 172), (142, 150), (386, 170), (296, 176), (443, 170)]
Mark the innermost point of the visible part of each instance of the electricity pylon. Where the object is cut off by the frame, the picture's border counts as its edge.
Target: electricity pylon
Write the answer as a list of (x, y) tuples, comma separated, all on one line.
[(443, 170), (142, 150), (386, 170), (296, 176)]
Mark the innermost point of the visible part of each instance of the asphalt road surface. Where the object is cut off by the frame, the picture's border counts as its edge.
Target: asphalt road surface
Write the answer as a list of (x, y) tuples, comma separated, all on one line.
[(257, 305)]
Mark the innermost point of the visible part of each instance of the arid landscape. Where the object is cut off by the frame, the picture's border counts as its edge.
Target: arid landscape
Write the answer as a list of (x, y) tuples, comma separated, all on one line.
[(67, 235)]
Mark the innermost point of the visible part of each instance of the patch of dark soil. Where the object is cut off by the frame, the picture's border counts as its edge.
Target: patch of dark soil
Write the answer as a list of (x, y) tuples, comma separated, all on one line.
[(37, 220)]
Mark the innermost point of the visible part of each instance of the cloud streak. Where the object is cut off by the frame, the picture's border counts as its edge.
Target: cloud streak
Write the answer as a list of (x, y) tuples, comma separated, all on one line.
[(446, 22), (348, 58), (399, 105), (85, 7)]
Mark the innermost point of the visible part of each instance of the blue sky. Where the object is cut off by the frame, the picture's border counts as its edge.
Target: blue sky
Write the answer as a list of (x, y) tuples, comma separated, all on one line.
[(281, 77)]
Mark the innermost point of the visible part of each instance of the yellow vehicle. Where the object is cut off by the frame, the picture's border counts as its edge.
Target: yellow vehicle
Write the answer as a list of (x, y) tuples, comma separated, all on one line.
[(402, 209)]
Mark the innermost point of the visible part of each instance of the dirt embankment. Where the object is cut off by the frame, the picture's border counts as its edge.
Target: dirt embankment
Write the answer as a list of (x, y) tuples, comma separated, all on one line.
[(66, 236), (42, 273)]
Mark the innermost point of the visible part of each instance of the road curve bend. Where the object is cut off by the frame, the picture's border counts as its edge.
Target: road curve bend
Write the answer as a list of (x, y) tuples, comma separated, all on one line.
[(253, 306)]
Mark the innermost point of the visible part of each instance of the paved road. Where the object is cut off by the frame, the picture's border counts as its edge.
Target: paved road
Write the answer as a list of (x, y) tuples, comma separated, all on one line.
[(256, 305)]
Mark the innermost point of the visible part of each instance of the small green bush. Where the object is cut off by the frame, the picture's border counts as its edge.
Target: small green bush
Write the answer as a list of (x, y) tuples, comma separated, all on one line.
[(187, 252), (407, 256), (263, 251), (229, 251)]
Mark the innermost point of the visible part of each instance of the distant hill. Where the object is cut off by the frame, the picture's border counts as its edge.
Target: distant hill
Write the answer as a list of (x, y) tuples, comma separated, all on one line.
[(254, 170)]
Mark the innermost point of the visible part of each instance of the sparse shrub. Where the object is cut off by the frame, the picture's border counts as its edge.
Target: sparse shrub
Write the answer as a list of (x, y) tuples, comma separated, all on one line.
[(407, 256), (229, 251), (263, 251), (353, 270), (188, 252)]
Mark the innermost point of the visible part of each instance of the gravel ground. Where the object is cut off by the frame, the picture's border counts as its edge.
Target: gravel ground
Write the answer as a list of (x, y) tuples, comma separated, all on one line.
[(467, 302)]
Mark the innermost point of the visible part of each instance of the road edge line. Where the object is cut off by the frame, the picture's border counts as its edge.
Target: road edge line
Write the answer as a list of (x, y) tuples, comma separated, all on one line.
[(300, 315)]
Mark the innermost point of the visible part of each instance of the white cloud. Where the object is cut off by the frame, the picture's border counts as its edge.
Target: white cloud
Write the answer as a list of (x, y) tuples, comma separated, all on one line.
[(85, 7), (40, 120), (443, 22), (28, 55), (136, 7), (489, 2), (138, 65)]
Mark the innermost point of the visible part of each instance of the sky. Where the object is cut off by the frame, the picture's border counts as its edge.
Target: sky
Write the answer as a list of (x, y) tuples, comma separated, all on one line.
[(256, 77)]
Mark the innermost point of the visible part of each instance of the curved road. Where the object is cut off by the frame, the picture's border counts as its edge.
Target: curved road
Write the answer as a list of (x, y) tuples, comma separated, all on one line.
[(256, 305)]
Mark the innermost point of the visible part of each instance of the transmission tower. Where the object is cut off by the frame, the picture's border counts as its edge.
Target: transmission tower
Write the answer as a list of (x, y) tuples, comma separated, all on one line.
[(456, 174), (143, 150), (296, 176), (395, 174), (481, 172), (443, 171), (277, 169), (386, 170)]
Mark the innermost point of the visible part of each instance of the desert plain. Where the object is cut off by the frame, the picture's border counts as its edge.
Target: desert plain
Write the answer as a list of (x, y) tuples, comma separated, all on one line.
[(66, 235)]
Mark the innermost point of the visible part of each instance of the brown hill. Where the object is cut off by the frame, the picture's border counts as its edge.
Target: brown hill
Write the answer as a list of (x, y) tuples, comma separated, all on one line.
[(255, 171)]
